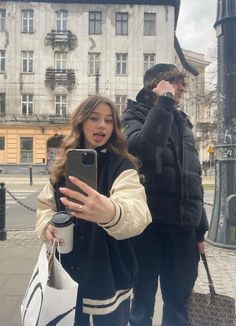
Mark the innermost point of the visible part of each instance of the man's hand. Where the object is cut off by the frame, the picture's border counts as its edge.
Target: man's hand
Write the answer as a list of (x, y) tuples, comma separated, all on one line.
[(162, 87)]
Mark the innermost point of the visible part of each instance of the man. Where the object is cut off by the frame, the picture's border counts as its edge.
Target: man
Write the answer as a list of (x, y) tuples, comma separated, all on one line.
[(160, 136)]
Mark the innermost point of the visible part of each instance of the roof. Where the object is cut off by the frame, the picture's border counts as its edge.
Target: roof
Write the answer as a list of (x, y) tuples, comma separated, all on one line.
[(182, 58), (174, 3), (149, 2)]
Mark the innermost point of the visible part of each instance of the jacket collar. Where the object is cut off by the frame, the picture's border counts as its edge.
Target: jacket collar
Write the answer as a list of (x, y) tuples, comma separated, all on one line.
[(146, 96)]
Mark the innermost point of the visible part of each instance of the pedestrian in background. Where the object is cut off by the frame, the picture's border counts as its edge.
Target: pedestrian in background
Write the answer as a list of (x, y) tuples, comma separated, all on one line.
[(103, 261), (205, 167), (160, 135)]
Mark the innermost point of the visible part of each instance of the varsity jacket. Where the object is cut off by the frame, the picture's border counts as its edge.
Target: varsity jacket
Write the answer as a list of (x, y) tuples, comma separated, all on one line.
[(103, 261), (161, 136)]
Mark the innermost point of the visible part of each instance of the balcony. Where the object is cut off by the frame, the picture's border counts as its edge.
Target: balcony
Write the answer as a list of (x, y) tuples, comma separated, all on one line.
[(60, 77), (35, 119), (61, 40)]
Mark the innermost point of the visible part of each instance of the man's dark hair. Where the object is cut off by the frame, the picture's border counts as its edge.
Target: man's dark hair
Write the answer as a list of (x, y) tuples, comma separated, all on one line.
[(162, 71)]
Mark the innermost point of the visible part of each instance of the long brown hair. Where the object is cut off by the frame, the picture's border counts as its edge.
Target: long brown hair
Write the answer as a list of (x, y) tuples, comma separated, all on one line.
[(117, 142)]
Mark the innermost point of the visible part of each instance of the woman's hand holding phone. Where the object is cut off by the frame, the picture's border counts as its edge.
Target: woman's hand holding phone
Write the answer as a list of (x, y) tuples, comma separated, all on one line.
[(94, 207)]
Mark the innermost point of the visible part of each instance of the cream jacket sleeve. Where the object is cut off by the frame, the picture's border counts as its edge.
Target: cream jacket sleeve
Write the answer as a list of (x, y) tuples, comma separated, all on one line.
[(128, 195), (132, 213), (45, 211)]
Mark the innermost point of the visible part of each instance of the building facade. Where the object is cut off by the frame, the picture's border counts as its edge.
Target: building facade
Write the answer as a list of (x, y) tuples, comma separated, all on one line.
[(53, 54), (203, 117)]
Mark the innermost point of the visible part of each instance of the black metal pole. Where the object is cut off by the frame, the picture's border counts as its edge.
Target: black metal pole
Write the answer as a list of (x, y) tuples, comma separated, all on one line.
[(3, 233), (222, 230), (30, 175)]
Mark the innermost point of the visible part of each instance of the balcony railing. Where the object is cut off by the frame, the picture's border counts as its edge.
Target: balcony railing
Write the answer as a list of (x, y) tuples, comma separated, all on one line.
[(61, 39), (60, 77)]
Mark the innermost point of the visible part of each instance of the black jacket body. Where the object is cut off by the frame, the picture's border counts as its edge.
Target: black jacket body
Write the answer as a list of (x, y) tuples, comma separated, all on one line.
[(103, 266), (161, 136)]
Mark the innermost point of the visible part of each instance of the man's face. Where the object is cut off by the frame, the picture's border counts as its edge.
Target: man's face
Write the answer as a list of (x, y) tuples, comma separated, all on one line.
[(179, 86)]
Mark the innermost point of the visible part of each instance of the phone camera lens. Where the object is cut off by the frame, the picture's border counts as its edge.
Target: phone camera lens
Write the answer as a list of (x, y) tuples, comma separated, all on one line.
[(88, 158)]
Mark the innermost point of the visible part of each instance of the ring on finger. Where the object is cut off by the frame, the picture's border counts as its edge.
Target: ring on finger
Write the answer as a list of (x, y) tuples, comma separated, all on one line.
[(80, 208)]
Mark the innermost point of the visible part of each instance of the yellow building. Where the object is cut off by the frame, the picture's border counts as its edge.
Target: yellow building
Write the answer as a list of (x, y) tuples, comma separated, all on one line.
[(29, 144)]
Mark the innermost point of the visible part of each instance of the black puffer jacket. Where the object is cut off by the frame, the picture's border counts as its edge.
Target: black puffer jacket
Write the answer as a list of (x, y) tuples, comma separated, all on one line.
[(161, 137)]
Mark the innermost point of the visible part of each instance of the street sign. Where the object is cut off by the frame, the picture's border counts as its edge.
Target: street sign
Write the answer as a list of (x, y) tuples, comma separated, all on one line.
[(211, 149)]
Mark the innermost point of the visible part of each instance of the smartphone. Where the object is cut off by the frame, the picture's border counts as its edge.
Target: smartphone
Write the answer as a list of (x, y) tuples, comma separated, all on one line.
[(81, 163)]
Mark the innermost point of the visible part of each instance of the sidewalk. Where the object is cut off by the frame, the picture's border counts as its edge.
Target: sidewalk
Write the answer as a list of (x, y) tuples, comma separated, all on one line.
[(208, 180), (18, 255), (39, 178), (17, 181)]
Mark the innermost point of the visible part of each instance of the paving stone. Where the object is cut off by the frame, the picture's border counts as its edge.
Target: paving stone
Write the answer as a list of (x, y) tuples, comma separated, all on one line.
[(18, 255)]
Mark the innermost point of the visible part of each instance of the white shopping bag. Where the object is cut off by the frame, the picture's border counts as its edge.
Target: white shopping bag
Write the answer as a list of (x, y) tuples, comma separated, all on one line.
[(50, 298)]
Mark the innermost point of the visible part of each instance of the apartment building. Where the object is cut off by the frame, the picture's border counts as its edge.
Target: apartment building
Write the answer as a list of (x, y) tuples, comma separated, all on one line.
[(204, 116), (53, 54)]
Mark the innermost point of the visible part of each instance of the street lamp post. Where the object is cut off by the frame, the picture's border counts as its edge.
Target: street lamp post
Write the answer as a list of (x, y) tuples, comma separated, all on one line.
[(97, 76), (222, 230)]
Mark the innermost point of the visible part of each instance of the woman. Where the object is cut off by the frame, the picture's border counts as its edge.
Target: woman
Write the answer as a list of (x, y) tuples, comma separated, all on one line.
[(102, 262)]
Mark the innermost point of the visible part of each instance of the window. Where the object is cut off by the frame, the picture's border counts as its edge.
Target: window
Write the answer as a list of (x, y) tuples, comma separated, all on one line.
[(2, 61), (120, 102), (95, 22), (2, 143), (94, 63), (2, 19), (60, 60), (149, 24), (149, 60), (27, 61), (2, 104), (121, 63), (61, 20), (121, 23), (27, 21), (26, 149), (61, 105), (27, 104)]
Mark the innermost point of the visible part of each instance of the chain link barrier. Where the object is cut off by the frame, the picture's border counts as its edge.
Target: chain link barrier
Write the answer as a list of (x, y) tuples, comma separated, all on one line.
[(208, 204), (19, 202)]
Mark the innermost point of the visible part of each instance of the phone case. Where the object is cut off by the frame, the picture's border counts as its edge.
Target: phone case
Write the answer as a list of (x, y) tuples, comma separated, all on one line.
[(82, 163)]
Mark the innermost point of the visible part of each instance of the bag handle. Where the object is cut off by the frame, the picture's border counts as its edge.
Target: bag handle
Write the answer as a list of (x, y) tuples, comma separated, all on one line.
[(58, 248), (51, 254), (53, 249), (210, 282)]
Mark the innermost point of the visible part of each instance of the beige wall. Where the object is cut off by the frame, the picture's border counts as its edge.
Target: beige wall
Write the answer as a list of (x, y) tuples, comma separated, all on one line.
[(14, 83), (13, 41)]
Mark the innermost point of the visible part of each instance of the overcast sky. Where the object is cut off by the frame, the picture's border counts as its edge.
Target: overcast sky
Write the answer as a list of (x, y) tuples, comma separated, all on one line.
[(195, 29)]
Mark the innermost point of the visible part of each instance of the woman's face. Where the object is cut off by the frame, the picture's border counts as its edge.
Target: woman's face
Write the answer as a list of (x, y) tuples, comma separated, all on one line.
[(98, 127)]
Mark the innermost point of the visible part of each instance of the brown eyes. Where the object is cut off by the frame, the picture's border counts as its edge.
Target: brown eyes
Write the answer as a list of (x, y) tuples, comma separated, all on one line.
[(97, 119)]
